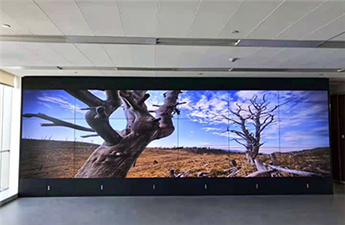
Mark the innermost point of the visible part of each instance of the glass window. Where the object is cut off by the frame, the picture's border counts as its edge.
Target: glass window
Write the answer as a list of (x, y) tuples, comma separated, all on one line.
[(5, 134)]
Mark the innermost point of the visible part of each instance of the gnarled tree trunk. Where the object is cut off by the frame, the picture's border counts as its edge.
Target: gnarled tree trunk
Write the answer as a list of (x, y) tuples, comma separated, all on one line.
[(120, 149), (260, 116)]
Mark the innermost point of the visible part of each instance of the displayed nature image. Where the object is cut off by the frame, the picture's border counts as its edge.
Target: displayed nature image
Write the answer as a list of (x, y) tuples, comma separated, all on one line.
[(174, 134)]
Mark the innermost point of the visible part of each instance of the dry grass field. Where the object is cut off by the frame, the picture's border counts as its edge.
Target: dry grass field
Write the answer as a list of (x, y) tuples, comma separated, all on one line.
[(217, 164), (52, 159), (61, 159)]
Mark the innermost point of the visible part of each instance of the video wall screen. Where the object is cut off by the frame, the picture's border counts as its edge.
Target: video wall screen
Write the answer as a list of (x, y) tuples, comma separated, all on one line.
[(174, 134)]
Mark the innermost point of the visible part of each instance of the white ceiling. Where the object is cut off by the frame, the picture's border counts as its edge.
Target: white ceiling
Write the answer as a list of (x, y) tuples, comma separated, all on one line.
[(289, 19), (255, 19)]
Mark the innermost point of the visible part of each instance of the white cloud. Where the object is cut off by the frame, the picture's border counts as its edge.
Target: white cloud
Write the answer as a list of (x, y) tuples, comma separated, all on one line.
[(60, 101), (305, 96), (244, 95), (210, 128), (187, 105), (311, 109), (156, 98), (202, 103), (296, 136), (45, 104), (209, 108), (222, 134), (321, 129), (271, 131)]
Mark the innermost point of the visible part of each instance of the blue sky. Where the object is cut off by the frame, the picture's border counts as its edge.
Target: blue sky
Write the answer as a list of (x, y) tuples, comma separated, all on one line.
[(302, 123)]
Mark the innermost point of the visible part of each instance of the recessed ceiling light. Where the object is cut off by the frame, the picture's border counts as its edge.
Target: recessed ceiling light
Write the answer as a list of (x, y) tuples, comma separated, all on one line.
[(341, 70), (5, 25), (235, 32), (233, 59)]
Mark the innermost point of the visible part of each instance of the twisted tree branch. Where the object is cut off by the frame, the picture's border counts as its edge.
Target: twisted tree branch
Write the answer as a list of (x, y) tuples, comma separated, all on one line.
[(99, 112), (86, 97), (57, 122), (164, 113)]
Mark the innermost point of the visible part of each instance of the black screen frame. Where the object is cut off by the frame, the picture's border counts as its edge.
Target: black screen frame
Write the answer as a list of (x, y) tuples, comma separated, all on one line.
[(168, 186)]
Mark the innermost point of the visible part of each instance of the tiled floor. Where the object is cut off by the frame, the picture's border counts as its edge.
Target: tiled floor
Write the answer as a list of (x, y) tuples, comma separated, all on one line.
[(256, 210)]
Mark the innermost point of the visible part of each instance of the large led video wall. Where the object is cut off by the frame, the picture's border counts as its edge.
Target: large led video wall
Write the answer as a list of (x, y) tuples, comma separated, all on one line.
[(174, 134)]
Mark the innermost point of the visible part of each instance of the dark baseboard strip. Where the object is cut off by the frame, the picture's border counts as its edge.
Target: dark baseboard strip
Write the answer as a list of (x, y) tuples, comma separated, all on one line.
[(8, 200)]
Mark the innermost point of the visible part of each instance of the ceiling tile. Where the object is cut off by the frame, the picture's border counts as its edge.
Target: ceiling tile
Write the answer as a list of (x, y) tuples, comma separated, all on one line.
[(211, 17), (219, 56), (339, 63), (167, 56), (31, 17), (139, 18), (174, 18), (96, 54), (284, 16), (293, 60), (84, 73), (71, 53), (190, 56), (37, 72), (177, 74), (246, 17), (13, 54), (319, 58), (328, 31), (67, 16), (103, 17), (120, 55), (93, 1), (339, 38), (314, 20), (65, 1), (111, 73), (261, 56), (281, 59), (15, 29), (138, 73), (143, 55), (45, 52)]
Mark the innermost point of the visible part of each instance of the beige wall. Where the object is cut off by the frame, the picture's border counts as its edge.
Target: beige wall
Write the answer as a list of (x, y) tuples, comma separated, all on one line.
[(6, 78)]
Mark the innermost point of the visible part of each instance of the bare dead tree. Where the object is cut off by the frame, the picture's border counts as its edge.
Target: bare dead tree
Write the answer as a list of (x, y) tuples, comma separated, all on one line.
[(120, 149), (258, 115)]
